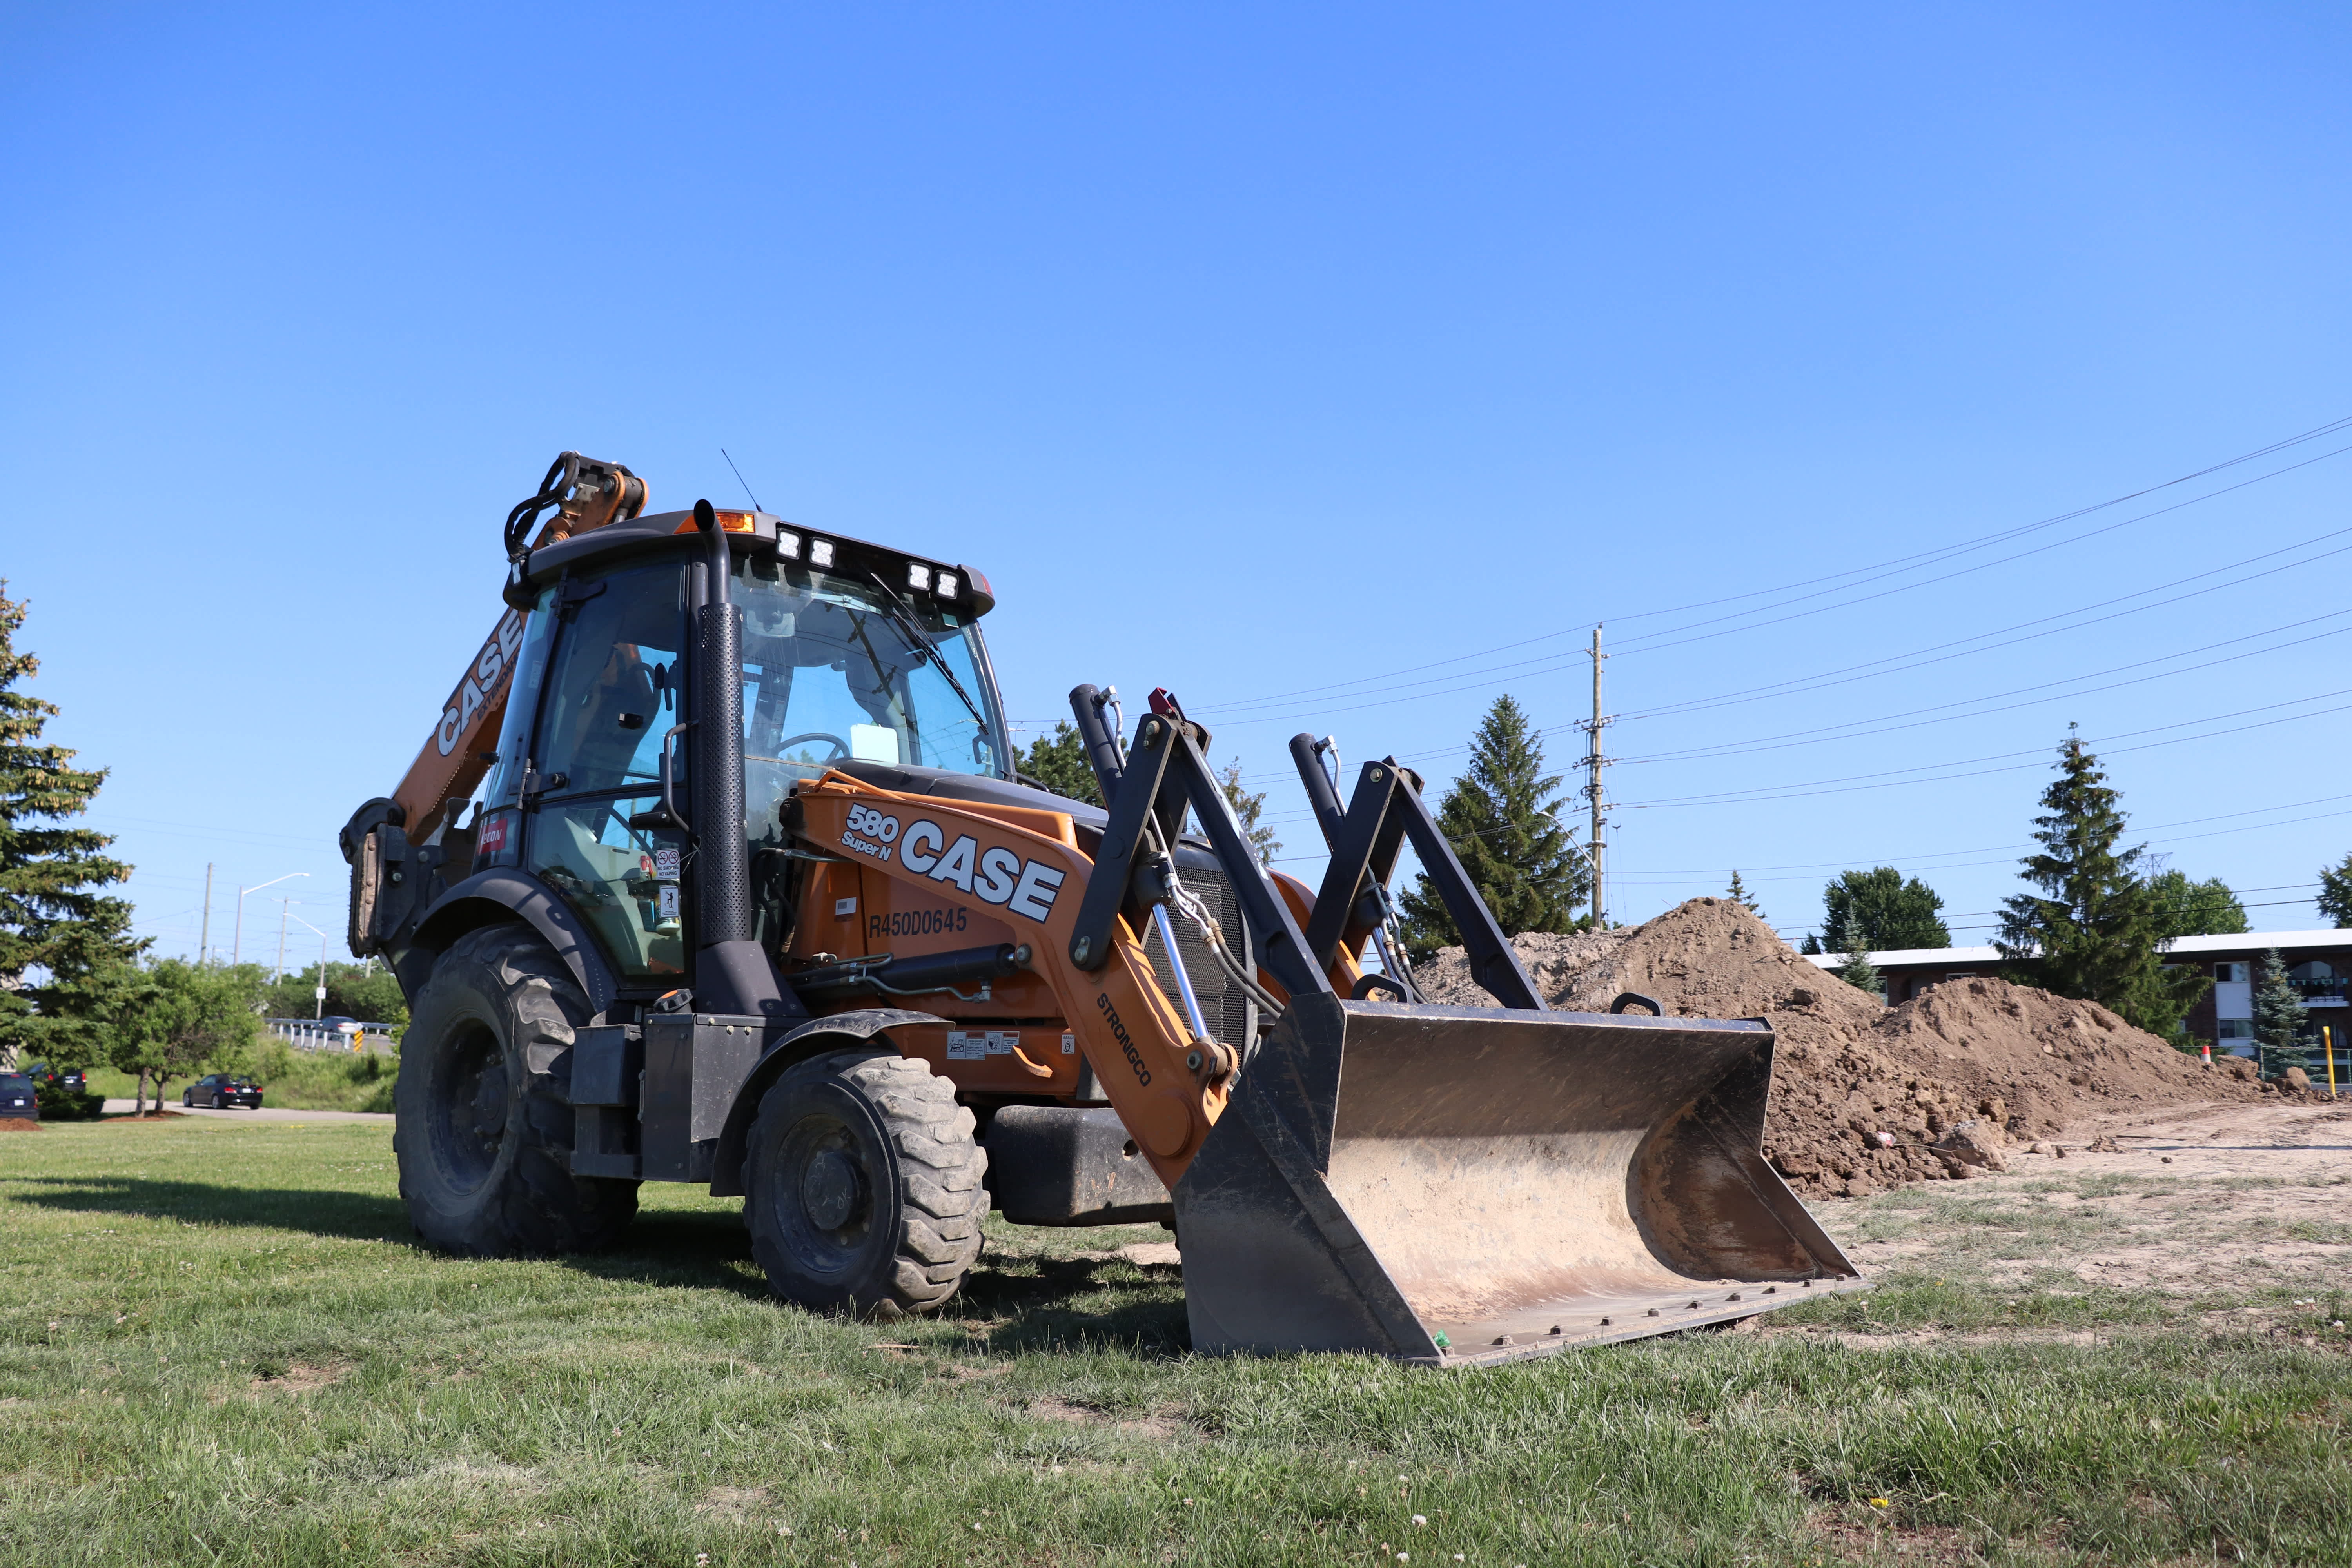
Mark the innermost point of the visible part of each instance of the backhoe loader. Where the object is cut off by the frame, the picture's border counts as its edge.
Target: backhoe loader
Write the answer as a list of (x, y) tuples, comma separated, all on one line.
[(717, 868)]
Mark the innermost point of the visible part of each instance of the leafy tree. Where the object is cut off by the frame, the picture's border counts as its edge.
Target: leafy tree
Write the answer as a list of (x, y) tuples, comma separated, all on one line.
[(367, 993), (2097, 929), (1879, 912), (2279, 1013), (1248, 808), (2335, 899), (173, 1019), (1060, 764), (1858, 972), (1739, 894), (2196, 908), (56, 927), (1502, 816)]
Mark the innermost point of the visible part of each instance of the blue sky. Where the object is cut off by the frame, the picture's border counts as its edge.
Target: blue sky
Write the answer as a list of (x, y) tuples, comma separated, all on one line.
[(1260, 353)]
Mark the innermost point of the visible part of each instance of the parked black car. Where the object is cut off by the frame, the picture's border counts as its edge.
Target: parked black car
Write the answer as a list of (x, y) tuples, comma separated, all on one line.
[(220, 1090), (16, 1097), (73, 1080)]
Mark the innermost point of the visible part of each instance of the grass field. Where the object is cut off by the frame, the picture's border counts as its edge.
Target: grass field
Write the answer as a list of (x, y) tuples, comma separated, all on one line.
[(217, 1345)]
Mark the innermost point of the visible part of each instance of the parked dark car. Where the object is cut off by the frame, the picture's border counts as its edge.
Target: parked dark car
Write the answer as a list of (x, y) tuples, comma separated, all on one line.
[(73, 1080), (220, 1090), (16, 1097)]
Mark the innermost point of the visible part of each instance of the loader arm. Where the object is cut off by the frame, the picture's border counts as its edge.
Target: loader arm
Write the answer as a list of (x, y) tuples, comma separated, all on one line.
[(581, 494), (1167, 1087)]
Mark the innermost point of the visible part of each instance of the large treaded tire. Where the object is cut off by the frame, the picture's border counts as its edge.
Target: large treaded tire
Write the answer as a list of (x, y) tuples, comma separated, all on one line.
[(862, 1183), (483, 1133)]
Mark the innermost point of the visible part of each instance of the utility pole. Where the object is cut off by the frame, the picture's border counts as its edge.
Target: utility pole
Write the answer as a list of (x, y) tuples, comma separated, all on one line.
[(280, 972), (1593, 762), (205, 942), (236, 942)]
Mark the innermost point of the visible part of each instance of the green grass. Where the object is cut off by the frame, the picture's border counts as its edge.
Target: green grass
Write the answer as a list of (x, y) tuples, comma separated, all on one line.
[(217, 1344)]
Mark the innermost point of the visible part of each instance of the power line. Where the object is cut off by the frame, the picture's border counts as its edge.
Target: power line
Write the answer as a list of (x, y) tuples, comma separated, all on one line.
[(1904, 563), (1892, 778), (1857, 730)]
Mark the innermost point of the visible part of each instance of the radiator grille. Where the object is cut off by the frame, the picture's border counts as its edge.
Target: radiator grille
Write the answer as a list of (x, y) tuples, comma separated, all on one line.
[(1233, 1017)]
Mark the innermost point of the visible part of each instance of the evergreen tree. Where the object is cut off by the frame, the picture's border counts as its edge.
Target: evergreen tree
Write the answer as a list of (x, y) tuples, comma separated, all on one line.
[(2335, 899), (57, 930), (1739, 894), (2279, 1014), (1811, 944), (2196, 908), (1060, 764), (1247, 809), (1858, 972), (1502, 817), (1878, 912), (2097, 930)]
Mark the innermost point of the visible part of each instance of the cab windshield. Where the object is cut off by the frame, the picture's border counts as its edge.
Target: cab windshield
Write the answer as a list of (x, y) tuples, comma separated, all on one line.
[(835, 670)]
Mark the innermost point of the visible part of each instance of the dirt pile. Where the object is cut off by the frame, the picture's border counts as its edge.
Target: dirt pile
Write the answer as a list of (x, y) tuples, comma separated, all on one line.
[(1866, 1096)]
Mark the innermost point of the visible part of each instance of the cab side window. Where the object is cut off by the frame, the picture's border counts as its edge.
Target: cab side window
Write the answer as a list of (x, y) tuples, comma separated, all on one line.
[(611, 690)]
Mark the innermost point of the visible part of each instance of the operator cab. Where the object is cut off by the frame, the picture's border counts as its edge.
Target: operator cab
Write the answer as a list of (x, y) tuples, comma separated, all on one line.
[(853, 656)]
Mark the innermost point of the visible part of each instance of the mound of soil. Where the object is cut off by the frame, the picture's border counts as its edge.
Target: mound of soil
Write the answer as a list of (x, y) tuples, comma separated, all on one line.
[(18, 1124), (1865, 1096)]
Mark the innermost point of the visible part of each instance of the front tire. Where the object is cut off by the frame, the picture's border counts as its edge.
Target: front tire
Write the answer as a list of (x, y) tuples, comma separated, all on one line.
[(861, 1186), (483, 1133)]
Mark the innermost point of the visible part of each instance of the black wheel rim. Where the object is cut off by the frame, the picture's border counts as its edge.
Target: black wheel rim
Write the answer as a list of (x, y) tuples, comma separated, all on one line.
[(469, 1114), (822, 1192)]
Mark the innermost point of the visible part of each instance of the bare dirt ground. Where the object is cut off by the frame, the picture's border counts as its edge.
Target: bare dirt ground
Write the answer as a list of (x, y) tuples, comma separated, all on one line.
[(2233, 1216)]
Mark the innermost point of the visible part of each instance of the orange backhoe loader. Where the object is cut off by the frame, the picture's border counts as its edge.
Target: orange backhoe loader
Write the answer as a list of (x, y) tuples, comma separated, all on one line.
[(717, 868)]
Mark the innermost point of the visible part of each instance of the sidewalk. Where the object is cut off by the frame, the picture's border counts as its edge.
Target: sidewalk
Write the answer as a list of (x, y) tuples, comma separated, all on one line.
[(267, 1113)]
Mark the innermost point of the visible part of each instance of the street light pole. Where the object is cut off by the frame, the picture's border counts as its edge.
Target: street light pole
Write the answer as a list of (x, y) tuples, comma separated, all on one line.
[(280, 972), (236, 951)]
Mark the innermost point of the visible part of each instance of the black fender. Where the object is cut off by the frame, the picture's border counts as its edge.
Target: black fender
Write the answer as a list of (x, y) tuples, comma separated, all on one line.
[(504, 894), (811, 1038)]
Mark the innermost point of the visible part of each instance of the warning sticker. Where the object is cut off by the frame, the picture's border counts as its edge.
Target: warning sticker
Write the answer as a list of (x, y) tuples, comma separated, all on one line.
[(665, 901), (1069, 1045), (978, 1045), (666, 864)]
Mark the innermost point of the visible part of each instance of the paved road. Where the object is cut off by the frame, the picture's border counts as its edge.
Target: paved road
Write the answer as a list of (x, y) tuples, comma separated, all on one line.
[(267, 1113)]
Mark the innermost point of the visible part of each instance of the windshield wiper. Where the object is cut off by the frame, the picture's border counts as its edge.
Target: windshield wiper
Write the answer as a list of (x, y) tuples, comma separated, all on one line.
[(922, 645)]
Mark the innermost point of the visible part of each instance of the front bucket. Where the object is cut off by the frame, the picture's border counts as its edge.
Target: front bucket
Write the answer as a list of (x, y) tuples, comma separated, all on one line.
[(1459, 1186)]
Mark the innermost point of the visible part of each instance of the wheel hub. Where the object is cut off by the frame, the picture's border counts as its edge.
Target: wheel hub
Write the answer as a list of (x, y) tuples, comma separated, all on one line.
[(830, 1187)]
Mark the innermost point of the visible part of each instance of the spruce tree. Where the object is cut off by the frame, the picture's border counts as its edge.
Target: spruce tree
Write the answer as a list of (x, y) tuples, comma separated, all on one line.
[(2279, 1014), (2096, 931), (1739, 895), (57, 928), (1502, 817), (1247, 809), (2335, 899), (1858, 972)]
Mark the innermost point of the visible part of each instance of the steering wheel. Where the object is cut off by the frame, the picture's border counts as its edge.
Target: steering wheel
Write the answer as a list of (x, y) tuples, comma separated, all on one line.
[(840, 746)]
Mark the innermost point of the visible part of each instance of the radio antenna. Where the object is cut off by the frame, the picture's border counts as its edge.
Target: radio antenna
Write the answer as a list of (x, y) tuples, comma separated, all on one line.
[(741, 480)]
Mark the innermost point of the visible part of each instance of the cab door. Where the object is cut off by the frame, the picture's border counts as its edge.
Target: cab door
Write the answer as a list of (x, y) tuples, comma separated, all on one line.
[(608, 701)]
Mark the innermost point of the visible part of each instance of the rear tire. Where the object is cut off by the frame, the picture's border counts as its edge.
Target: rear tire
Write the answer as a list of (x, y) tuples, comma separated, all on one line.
[(861, 1186), (483, 1133)]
